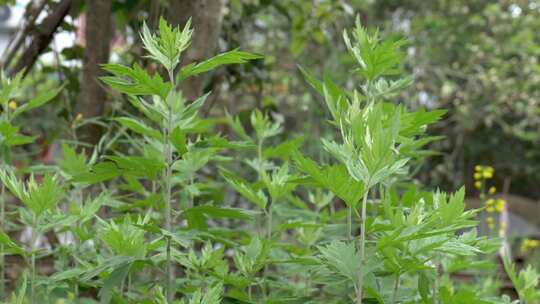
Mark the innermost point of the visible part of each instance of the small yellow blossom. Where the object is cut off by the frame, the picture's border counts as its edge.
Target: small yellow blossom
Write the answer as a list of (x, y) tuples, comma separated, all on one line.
[(490, 202), (477, 175), (12, 105), (528, 244), (79, 117), (490, 221), (499, 205), (492, 190), (478, 168), (490, 209), (487, 174), (502, 232), (478, 184)]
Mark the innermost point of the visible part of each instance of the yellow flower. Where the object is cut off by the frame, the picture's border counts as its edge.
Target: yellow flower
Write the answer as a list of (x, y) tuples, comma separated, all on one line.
[(487, 174), (79, 117), (502, 232), (478, 168), (534, 243), (528, 244), (490, 220), (499, 205), (490, 209), (492, 190), (478, 184), (12, 105), (490, 202), (477, 175)]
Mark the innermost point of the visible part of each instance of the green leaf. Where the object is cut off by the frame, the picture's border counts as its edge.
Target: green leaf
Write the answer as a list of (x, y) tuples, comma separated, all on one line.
[(451, 210), (38, 197), (113, 280), (334, 178), (285, 149), (138, 166), (43, 196), (37, 102), (22, 290), (139, 127), (10, 137), (167, 47), (246, 190), (342, 258), (72, 163), (9, 246), (178, 139), (231, 57), (69, 274), (125, 238), (135, 81), (99, 173), (253, 257), (197, 216), (424, 287)]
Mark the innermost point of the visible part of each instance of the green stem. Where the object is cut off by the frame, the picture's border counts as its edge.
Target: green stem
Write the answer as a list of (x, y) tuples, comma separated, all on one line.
[(167, 195), (436, 284), (33, 261), (396, 288), (349, 222), (269, 223), (268, 214), (362, 247), (2, 228)]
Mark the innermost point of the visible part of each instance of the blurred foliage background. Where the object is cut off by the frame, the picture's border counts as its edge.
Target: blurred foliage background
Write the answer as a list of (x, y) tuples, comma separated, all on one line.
[(477, 59)]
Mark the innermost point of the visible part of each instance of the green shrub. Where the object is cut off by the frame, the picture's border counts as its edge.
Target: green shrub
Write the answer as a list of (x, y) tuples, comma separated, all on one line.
[(153, 221)]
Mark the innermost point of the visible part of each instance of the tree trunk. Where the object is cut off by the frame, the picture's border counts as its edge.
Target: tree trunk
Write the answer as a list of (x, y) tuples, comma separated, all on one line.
[(41, 37), (97, 47), (207, 17)]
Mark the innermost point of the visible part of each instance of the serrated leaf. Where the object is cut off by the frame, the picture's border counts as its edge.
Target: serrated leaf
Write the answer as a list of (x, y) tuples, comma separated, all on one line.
[(138, 166), (139, 127), (135, 81), (99, 173), (9, 136), (231, 57), (37, 102), (9, 246), (71, 162), (246, 190), (113, 280), (334, 178), (342, 258)]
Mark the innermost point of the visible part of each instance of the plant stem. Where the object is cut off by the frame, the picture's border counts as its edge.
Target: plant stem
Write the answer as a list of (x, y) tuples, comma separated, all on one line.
[(167, 153), (2, 228), (436, 284), (349, 222), (33, 261), (362, 246), (268, 214), (396, 288)]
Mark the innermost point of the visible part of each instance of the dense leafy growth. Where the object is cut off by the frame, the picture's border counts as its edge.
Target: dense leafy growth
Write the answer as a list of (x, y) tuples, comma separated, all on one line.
[(173, 211)]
